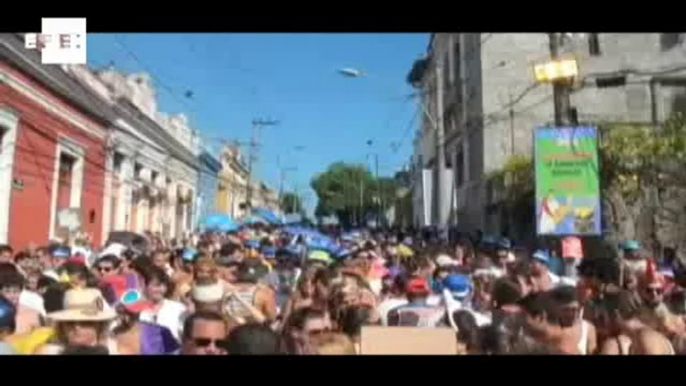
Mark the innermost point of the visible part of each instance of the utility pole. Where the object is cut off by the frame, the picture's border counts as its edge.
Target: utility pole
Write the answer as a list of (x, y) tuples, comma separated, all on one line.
[(512, 126), (561, 87), (440, 215), (252, 154), (378, 191), (361, 217), (282, 181)]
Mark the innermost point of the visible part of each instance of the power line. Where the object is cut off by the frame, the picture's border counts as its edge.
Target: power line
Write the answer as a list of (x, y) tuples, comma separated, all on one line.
[(151, 73)]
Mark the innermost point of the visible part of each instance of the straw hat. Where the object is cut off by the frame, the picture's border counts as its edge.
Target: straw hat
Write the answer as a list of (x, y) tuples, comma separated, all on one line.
[(83, 305)]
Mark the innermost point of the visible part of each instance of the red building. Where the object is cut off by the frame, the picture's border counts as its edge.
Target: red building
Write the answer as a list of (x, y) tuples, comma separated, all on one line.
[(53, 135)]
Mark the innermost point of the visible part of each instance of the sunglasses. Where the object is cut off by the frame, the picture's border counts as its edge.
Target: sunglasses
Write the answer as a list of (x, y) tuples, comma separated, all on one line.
[(206, 342)]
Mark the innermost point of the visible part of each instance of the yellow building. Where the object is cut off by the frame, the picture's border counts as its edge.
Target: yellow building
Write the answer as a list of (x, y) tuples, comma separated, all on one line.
[(232, 182)]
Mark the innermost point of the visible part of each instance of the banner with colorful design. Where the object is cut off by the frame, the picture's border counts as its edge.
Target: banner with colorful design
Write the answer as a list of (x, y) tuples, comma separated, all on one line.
[(567, 181)]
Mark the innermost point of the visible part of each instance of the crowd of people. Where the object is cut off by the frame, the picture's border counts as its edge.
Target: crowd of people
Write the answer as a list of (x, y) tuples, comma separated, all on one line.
[(264, 291)]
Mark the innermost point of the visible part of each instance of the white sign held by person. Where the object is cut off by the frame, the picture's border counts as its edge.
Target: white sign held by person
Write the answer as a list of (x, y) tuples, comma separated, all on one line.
[(61, 41)]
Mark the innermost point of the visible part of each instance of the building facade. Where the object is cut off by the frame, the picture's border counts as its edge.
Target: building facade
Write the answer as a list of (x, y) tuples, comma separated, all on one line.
[(152, 161), (232, 190), (54, 137), (208, 185), (492, 103), (265, 197)]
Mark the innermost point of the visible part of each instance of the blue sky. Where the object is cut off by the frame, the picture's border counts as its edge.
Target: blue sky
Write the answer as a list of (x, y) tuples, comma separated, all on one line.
[(287, 77)]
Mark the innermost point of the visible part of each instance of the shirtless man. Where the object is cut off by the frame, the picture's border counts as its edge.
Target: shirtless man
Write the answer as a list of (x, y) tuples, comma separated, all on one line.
[(543, 323), (571, 321), (632, 335), (651, 289)]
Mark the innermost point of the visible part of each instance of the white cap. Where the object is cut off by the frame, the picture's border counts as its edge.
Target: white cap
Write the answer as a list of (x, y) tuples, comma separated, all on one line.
[(489, 272), (445, 261), (207, 293), (115, 249)]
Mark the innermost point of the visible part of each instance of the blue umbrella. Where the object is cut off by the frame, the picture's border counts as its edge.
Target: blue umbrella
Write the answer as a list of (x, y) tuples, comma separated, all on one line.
[(293, 218), (267, 215), (250, 220), (294, 230), (319, 241), (221, 222)]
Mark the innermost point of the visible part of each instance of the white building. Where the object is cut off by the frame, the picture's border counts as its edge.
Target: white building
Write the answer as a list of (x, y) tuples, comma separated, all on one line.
[(152, 158)]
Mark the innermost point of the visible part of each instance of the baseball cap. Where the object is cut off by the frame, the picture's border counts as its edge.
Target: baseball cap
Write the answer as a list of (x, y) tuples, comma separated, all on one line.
[(445, 261), (542, 256), (115, 249), (253, 244), (319, 256), (189, 254), (207, 293), (418, 286), (269, 252), (61, 251), (251, 270), (7, 313), (630, 245), (503, 243), (458, 285)]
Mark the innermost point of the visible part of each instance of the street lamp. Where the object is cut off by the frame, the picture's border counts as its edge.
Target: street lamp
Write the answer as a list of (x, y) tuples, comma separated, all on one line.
[(436, 122), (351, 72)]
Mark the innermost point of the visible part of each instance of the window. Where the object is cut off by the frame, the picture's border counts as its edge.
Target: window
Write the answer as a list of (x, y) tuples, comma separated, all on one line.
[(457, 60), (64, 180), (669, 41), (66, 164), (459, 168), (137, 168), (594, 45), (672, 98), (117, 162), (2, 137), (446, 72), (448, 121)]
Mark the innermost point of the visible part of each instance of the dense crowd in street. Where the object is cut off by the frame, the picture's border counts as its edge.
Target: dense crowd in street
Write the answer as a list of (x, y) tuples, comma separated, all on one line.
[(272, 290)]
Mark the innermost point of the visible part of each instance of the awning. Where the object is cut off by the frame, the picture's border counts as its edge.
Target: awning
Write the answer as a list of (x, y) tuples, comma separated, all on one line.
[(221, 222)]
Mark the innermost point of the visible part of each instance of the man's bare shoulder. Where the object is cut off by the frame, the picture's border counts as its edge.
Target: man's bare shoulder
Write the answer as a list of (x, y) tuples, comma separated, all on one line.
[(650, 342)]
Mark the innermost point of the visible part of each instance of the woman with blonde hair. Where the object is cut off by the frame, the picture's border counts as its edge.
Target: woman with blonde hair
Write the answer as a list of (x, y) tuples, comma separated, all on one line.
[(330, 343)]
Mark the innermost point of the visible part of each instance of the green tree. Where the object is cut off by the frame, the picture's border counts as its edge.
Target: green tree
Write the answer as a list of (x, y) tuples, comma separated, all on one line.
[(642, 179), (516, 182), (291, 203), (644, 182), (351, 192)]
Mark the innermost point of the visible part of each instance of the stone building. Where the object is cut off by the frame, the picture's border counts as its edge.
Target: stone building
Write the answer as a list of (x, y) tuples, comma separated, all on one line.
[(492, 103)]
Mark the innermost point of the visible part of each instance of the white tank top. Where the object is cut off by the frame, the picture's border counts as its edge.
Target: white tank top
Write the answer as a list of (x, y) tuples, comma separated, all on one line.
[(112, 346), (583, 340)]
